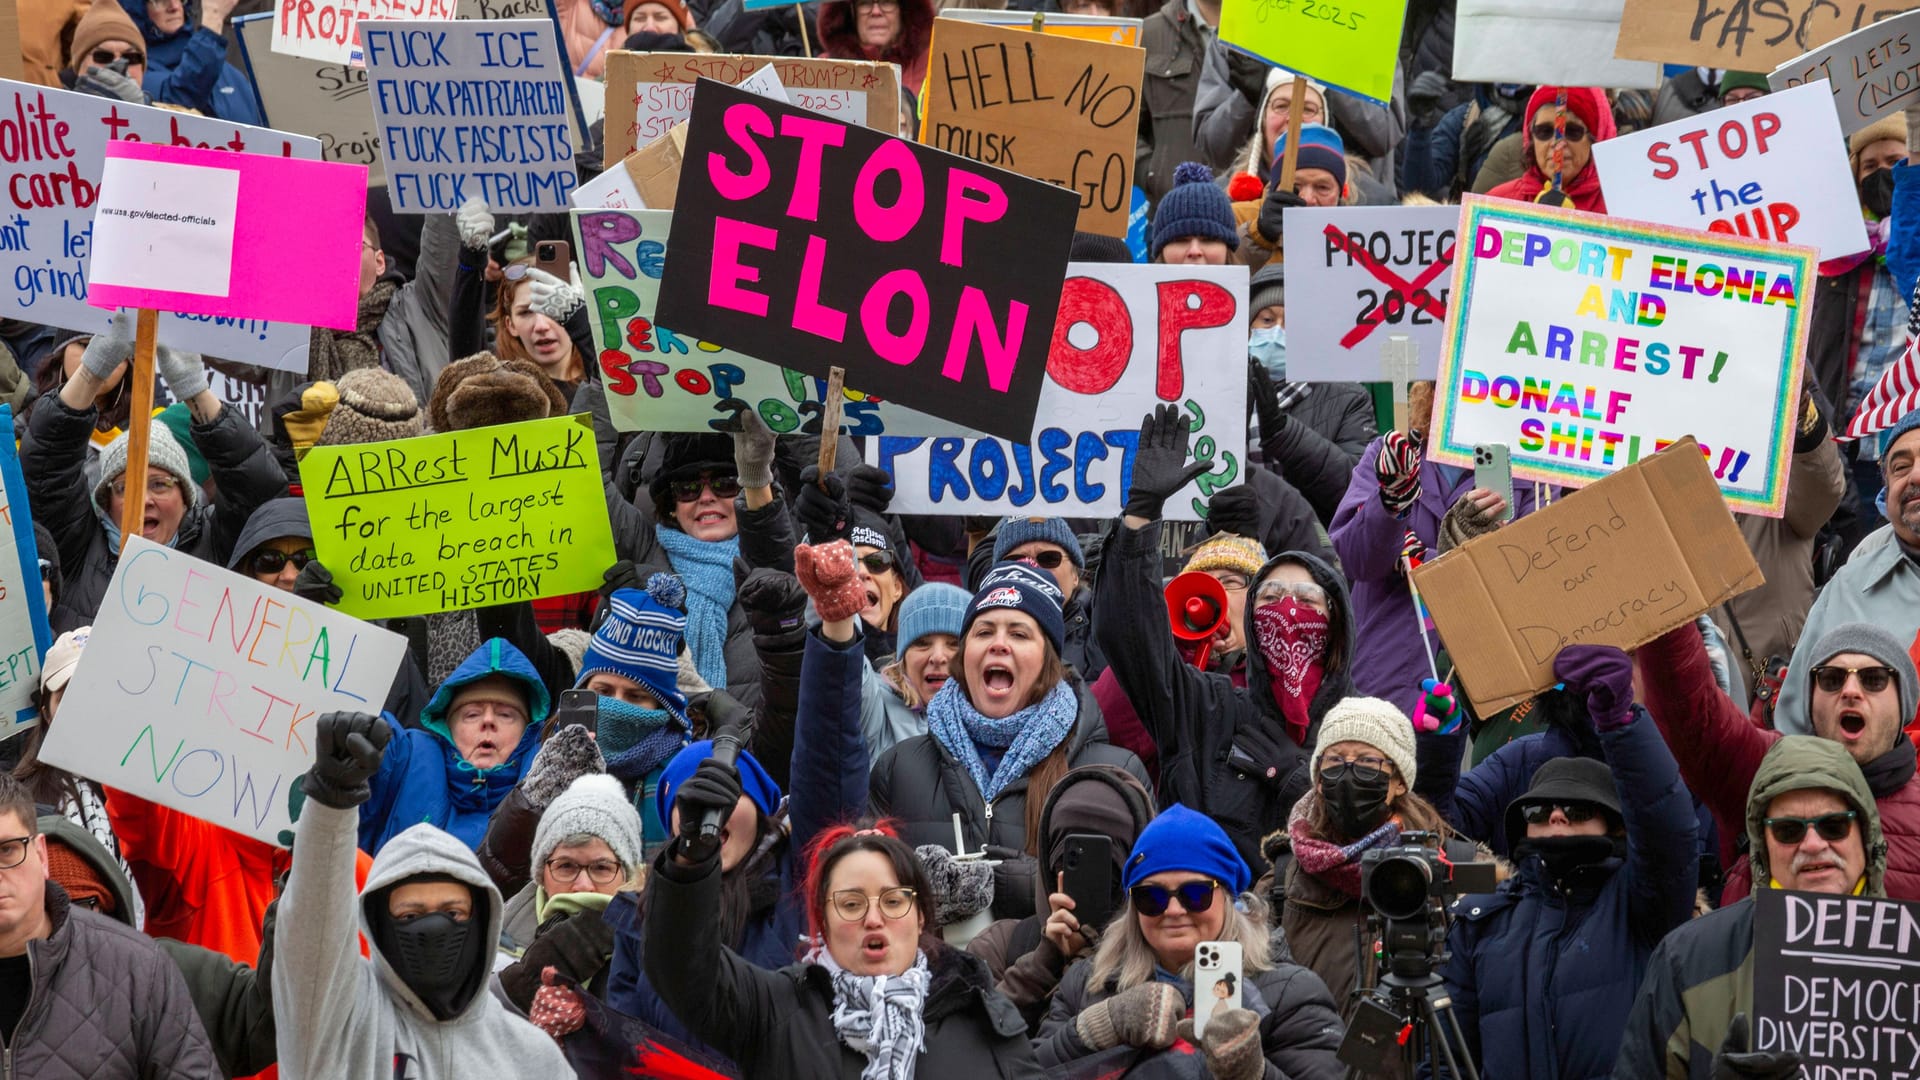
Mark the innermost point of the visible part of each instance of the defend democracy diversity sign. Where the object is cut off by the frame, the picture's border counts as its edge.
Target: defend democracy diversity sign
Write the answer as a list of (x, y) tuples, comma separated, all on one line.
[(1748, 35), (1128, 338), (24, 634), (1353, 45), (321, 98), (55, 145), (931, 280), (199, 687), (1054, 108), (1764, 168), (1870, 73), (1836, 980), (328, 29), (472, 110), (648, 93), (1366, 272), (1586, 343), (658, 379), (461, 519)]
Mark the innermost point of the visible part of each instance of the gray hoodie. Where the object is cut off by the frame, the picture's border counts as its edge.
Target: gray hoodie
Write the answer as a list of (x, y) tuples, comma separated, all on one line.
[(356, 1019)]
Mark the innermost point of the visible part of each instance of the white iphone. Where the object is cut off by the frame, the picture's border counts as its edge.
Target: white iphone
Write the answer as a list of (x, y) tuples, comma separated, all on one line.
[(1216, 980)]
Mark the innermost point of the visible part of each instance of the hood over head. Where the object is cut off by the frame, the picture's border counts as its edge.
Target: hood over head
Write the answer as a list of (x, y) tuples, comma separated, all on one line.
[(276, 518), (420, 851), (1102, 799), (1800, 762), (839, 28), (1337, 682), (82, 843), (495, 656)]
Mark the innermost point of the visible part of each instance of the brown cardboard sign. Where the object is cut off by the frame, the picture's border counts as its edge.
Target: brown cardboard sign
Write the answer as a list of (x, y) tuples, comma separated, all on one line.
[(1744, 36), (13, 64), (1058, 109), (655, 168), (1617, 563), (648, 93)]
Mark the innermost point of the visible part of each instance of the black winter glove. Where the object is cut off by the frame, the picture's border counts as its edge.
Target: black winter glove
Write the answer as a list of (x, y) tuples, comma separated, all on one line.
[(621, 575), (774, 602), (1235, 510), (1265, 398), (1271, 209), (315, 583), (714, 787), (1160, 463), (725, 711), (350, 748), (1249, 76), (824, 515), (577, 947), (870, 488), (1811, 429), (1732, 1063)]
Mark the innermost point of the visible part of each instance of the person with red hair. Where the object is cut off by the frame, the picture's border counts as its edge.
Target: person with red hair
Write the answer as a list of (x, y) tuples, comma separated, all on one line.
[(1589, 120)]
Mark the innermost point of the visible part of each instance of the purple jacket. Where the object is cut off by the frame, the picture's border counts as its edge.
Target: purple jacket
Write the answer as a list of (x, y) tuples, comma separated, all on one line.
[(1388, 661)]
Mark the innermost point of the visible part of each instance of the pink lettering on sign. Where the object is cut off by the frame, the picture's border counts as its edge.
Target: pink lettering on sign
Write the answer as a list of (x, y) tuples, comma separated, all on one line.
[(742, 121), (874, 309), (991, 207), (809, 313), (729, 236), (889, 223), (815, 135)]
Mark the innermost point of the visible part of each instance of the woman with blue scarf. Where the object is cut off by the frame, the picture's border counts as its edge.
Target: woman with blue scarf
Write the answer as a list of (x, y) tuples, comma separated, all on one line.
[(1010, 720)]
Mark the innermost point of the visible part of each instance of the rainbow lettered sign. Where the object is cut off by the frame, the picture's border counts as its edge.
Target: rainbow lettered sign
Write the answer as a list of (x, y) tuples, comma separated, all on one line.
[(1585, 343)]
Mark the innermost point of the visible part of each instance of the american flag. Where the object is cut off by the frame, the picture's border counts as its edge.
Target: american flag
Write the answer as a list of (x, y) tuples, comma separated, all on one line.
[(1898, 391)]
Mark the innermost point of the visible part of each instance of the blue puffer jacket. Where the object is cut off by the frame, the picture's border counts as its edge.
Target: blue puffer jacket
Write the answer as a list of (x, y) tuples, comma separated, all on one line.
[(1542, 979), (189, 68), (423, 778)]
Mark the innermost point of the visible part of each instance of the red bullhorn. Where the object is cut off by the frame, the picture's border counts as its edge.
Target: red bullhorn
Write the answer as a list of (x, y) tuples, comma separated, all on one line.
[(1196, 610)]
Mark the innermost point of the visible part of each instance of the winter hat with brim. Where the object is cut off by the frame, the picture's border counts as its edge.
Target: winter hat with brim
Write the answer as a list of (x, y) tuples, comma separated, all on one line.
[(62, 658), (755, 782), (1891, 126), (933, 608), (1016, 531), (163, 453), (1183, 840), (1377, 723), (593, 805), (1564, 780), (375, 405), (1867, 639), (1018, 587), (640, 639), (1320, 148), (1196, 206)]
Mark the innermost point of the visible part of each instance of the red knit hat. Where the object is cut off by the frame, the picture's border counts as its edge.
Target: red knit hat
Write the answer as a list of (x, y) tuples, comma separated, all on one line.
[(78, 876), (1589, 103), (679, 11)]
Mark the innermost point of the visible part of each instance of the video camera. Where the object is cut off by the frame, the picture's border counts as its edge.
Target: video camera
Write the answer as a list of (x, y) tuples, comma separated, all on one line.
[(1407, 886)]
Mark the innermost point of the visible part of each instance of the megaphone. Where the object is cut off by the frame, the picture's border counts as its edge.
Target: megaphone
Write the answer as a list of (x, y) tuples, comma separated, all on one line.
[(1196, 610)]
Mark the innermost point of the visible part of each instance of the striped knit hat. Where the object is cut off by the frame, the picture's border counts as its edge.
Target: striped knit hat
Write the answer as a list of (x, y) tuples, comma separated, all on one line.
[(640, 640)]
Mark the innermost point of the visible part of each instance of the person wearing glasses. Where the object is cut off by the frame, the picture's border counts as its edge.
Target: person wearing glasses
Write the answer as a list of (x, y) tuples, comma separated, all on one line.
[(889, 31), (107, 58), (1050, 544), (1811, 825), (1559, 156), (1186, 884), (82, 995), (1543, 971), (1859, 691)]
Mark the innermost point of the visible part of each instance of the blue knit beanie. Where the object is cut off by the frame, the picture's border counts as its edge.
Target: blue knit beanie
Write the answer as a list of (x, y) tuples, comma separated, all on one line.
[(1015, 531), (1892, 435), (1320, 148), (1183, 839), (933, 608), (1024, 588), (755, 784), (640, 640), (1196, 206)]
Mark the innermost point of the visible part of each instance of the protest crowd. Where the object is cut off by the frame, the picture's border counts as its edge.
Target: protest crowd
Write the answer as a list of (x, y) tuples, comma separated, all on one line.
[(543, 657)]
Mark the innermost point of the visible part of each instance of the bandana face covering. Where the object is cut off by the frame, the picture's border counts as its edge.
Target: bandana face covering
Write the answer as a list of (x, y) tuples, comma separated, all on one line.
[(1292, 639)]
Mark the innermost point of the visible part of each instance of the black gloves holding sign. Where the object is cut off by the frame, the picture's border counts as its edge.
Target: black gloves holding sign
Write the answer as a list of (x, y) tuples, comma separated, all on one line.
[(350, 748)]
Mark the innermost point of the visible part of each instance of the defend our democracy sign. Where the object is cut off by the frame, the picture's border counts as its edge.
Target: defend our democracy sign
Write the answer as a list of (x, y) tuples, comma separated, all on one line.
[(932, 280), (1586, 343), (199, 687), (462, 519), (472, 109), (1128, 338)]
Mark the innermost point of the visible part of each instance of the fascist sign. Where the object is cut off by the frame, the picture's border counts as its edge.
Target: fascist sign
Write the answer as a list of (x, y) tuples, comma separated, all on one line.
[(1747, 35)]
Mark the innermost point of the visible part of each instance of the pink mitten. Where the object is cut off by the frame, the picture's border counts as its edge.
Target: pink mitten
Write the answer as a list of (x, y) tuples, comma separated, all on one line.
[(556, 1009), (827, 572)]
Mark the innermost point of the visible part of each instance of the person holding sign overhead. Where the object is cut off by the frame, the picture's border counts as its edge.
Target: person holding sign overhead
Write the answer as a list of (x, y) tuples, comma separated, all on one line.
[(1558, 148)]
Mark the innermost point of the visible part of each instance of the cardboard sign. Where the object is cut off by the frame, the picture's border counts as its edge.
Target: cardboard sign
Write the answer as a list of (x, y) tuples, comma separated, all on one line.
[(24, 634), (658, 379), (329, 29), (1835, 981), (199, 687), (472, 109), (649, 93), (46, 235), (1054, 108), (461, 520), (1111, 29), (1128, 338), (1772, 168), (13, 65), (1353, 46), (1364, 272), (1545, 43), (206, 232), (932, 280), (1745, 37), (312, 97), (1618, 563), (1870, 73), (1586, 343)]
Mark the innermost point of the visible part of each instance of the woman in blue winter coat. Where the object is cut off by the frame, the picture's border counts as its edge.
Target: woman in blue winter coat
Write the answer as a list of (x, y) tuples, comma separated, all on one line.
[(187, 59)]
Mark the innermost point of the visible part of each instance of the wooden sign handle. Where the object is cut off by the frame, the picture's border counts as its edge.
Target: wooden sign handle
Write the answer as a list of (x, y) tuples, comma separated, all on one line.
[(1296, 115), (800, 14), (139, 423), (830, 421)]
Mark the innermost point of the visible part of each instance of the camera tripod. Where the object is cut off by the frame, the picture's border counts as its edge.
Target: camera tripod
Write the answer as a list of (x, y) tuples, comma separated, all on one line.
[(1419, 1007)]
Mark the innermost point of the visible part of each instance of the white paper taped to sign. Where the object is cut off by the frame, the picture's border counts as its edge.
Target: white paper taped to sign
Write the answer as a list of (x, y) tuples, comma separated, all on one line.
[(1360, 275), (1128, 338), (199, 688), (1544, 42), (165, 225)]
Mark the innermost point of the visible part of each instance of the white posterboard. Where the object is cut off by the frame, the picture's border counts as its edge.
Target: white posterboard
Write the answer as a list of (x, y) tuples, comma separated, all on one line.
[(1545, 42), (1869, 73), (329, 29), (1358, 275)]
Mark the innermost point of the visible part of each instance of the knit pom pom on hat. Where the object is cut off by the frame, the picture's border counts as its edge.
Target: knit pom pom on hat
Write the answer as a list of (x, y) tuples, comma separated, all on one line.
[(667, 590), (1195, 206)]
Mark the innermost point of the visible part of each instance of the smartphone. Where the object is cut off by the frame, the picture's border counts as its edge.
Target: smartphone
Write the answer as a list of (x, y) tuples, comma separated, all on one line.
[(1216, 980), (1493, 471), (577, 707), (1087, 863), (555, 257)]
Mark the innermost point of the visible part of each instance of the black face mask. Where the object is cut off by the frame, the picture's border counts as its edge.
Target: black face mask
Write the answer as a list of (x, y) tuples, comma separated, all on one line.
[(1562, 855), (1356, 799), (439, 958), (1876, 193)]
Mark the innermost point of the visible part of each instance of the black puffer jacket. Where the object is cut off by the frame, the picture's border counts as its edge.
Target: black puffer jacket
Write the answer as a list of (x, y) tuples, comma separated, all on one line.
[(921, 786), (1318, 446), (53, 455), (1224, 750), (106, 1004)]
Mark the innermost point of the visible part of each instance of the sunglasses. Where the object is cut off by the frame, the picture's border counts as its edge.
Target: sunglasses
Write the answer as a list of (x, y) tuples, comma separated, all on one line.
[(1046, 560), (270, 560), (723, 487), (1544, 132), (1195, 897), (1832, 828), (1834, 679), (876, 562), (1539, 813), (103, 57)]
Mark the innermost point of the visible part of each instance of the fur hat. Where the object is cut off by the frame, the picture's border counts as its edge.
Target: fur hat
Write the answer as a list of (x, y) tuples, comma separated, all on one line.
[(162, 453), (102, 23), (1374, 722), (1195, 206), (374, 405), (595, 804), (483, 390)]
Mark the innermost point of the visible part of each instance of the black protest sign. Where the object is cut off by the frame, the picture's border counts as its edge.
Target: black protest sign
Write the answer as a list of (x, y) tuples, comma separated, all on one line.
[(809, 243), (1836, 979)]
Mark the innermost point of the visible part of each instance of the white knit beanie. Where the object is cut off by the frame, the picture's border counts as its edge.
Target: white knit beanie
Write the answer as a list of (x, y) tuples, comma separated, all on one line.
[(595, 804), (163, 453), (1374, 722)]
